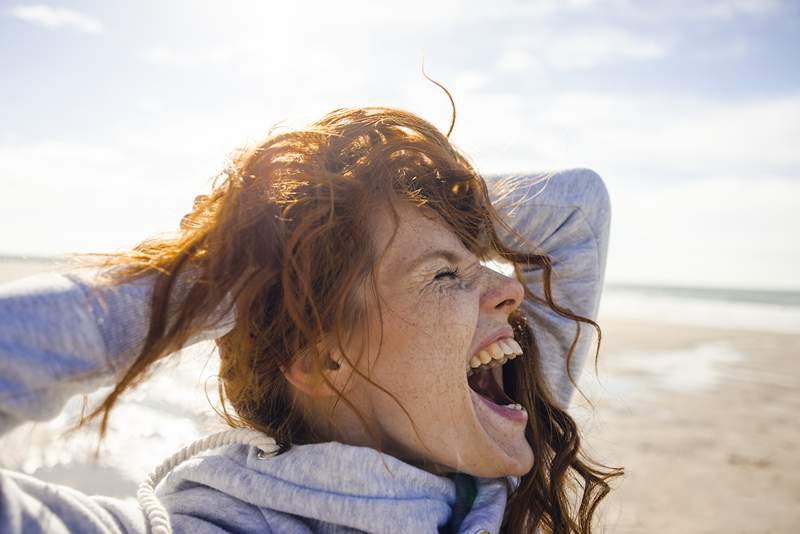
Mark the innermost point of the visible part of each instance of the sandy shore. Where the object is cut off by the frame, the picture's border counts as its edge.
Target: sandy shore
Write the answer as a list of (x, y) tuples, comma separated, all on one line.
[(705, 422)]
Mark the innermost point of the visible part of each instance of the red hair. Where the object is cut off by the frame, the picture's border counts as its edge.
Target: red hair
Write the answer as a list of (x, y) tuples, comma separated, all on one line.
[(286, 232)]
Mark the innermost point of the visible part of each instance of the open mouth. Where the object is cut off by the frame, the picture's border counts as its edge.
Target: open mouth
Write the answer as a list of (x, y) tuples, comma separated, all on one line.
[(485, 375), (485, 384)]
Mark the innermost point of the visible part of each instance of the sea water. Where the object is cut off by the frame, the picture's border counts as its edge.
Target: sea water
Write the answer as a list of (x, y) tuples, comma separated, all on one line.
[(739, 309)]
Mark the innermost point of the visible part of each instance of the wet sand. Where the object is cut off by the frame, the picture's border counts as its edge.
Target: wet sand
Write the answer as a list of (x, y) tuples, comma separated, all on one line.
[(706, 423)]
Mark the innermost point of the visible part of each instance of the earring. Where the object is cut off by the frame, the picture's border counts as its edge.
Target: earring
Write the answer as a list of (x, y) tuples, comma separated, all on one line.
[(332, 365)]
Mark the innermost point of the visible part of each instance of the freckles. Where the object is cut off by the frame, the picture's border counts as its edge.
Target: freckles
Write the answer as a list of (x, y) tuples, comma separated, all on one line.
[(449, 318)]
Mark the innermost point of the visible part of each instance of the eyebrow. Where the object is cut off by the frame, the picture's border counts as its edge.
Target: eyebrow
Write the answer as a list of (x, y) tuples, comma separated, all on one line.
[(450, 256)]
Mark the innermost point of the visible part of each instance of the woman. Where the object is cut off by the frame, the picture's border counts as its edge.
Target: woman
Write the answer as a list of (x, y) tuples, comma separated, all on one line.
[(341, 270)]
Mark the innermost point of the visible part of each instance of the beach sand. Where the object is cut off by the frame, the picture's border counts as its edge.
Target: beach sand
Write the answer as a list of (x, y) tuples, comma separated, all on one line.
[(704, 420)]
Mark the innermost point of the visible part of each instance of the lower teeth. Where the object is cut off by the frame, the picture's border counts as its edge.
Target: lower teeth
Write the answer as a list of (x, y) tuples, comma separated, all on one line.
[(517, 407)]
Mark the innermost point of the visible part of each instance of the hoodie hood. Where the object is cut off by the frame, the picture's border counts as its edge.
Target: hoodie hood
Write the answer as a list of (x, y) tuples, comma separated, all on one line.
[(325, 487)]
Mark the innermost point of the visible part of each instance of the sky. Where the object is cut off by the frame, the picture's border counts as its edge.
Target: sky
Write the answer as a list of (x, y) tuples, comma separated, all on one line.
[(115, 115)]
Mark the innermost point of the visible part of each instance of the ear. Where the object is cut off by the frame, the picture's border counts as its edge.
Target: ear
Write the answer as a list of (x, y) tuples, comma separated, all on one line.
[(301, 375)]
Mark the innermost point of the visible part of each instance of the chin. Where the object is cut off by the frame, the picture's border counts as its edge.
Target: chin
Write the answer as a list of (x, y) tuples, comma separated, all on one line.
[(502, 466), (520, 468), (503, 469)]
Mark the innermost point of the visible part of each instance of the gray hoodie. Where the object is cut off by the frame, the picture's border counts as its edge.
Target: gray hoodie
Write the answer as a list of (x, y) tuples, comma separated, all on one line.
[(58, 340)]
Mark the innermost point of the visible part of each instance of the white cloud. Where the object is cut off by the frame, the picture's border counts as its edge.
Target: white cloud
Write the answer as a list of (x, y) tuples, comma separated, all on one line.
[(633, 135), (728, 9), (190, 57), (53, 157), (671, 12), (579, 49), (57, 17), (735, 231), (688, 136), (69, 197)]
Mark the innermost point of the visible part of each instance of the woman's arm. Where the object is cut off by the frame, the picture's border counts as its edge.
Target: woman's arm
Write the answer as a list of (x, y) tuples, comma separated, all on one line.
[(566, 216), (63, 334), (59, 338)]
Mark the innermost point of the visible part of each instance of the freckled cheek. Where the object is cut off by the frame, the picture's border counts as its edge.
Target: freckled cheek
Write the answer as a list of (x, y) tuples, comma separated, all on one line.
[(425, 339), (439, 334), (456, 319)]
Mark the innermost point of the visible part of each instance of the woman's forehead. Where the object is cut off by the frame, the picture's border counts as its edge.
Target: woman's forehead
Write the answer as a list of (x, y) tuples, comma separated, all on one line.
[(420, 234)]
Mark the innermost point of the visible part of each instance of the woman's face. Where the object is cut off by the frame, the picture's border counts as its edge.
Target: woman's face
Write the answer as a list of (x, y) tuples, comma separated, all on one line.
[(439, 306)]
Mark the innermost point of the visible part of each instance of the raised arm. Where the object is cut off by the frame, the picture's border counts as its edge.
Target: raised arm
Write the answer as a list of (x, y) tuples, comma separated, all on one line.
[(63, 334), (566, 215)]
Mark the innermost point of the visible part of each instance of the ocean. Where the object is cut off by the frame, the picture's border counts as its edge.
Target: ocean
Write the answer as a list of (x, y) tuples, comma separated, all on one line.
[(739, 309)]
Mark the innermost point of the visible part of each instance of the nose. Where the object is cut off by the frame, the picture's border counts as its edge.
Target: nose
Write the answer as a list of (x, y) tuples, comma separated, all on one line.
[(502, 293)]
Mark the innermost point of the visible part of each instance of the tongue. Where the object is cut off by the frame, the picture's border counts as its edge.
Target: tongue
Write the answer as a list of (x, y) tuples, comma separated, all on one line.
[(484, 384)]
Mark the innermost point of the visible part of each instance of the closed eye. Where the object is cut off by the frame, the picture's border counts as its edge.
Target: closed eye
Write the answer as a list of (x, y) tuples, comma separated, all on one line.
[(447, 273)]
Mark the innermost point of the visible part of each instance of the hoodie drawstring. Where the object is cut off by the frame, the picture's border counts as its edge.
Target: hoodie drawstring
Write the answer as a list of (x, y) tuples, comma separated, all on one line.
[(156, 515)]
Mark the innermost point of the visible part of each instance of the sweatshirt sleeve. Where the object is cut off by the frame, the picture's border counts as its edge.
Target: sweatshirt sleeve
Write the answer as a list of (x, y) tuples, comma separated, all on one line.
[(63, 334), (566, 215)]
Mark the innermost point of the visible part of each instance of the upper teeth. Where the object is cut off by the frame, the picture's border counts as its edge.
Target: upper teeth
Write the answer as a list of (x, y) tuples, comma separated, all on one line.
[(501, 351)]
